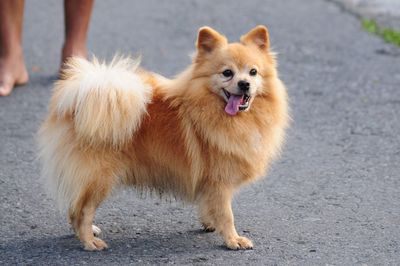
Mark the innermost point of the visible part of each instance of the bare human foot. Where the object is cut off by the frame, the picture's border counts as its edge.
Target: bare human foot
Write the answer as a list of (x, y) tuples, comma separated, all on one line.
[(12, 73), (12, 66)]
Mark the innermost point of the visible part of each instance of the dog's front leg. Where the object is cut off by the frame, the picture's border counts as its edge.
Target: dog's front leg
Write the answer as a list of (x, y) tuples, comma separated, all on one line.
[(217, 204)]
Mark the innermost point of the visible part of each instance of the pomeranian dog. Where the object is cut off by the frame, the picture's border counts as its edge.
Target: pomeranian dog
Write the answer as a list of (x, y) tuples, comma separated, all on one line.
[(199, 136)]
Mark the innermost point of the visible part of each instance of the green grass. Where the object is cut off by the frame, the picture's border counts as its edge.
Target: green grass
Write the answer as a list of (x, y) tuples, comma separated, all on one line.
[(387, 34)]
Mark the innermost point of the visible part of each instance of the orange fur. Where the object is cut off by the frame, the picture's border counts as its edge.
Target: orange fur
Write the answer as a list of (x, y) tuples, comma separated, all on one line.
[(121, 125)]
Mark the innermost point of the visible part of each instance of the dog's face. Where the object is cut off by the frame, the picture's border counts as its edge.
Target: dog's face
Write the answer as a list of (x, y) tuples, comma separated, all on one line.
[(235, 72)]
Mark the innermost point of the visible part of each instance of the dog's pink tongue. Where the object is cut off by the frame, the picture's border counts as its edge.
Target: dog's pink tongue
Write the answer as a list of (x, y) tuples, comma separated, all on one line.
[(232, 107)]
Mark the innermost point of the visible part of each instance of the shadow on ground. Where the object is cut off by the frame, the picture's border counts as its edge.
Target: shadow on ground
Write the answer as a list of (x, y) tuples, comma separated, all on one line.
[(50, 249)]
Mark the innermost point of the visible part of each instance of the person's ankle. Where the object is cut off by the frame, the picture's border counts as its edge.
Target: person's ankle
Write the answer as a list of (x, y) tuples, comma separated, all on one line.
[(70, 50), (12, 53)]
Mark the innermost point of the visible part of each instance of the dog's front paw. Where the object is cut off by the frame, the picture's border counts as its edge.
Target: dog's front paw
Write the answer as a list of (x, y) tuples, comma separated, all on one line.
[(95, 244), (239, 242), (208, 228)]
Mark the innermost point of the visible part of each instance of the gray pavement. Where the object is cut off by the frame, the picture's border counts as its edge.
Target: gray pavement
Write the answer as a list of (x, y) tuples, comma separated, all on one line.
[(385, 12), (332, 199)]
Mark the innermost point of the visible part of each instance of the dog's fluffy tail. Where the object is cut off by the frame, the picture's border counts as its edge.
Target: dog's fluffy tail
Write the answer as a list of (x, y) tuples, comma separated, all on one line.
[(105, 101), (94, 106)]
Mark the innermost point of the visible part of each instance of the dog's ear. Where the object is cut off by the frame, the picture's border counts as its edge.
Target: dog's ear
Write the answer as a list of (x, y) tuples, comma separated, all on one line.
[(258, 36), (208, 40)]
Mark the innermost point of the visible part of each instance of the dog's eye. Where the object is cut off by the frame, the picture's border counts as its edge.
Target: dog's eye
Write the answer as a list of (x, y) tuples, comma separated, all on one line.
[(228, 73), (253, 72)]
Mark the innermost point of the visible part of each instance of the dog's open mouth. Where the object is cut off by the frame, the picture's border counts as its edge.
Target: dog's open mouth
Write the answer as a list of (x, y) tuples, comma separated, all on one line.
[(236, 103)]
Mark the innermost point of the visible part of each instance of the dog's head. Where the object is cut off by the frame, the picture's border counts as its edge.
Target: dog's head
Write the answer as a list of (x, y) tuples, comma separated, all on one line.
[(235, 72)]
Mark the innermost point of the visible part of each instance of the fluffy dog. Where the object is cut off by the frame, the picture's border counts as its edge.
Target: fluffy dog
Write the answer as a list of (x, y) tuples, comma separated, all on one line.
[(199, 136)]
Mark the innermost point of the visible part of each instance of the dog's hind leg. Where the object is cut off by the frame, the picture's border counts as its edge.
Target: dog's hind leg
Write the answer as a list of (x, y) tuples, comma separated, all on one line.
[(95, 228), (82, 214), (71, 219)]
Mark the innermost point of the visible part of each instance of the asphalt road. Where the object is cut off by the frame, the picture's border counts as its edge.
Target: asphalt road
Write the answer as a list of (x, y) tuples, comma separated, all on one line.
[(332, 199), (385, 12)]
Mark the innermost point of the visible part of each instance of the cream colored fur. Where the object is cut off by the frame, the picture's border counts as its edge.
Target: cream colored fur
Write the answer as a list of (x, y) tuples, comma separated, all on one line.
[(106, 104), (107, 101)]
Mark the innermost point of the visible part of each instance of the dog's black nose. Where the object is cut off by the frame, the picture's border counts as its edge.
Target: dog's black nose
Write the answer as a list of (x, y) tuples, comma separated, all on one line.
[(243, 85)]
